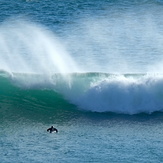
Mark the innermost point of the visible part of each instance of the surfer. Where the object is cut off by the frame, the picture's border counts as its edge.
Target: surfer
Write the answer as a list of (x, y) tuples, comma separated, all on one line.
[(52, 129)]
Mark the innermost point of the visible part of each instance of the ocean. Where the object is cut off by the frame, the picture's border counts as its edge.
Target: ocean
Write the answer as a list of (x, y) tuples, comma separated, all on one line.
[(90, 68)]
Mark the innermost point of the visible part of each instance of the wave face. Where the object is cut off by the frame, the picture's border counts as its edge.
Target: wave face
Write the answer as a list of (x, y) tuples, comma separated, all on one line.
[(93, 92)]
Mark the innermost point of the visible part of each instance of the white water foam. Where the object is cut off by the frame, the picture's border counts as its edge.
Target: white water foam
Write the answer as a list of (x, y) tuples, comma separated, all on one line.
[(124, 95), (115, 93)]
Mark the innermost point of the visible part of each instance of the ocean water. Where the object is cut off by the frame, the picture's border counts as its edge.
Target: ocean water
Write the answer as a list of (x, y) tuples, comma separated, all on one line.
[(92, 69)]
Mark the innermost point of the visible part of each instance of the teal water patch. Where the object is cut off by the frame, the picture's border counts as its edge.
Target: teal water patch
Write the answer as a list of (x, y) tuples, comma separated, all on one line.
[(18, 104)]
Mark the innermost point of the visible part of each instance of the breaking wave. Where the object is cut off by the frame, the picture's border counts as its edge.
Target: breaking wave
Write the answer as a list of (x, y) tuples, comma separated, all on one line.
[(93, 92)]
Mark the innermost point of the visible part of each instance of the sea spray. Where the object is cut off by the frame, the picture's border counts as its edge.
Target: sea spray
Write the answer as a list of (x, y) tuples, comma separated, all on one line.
[(27, 47), (118, 42)]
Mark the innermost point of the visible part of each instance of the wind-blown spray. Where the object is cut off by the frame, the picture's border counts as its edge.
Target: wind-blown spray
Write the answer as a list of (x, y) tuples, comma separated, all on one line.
[(30, 48)]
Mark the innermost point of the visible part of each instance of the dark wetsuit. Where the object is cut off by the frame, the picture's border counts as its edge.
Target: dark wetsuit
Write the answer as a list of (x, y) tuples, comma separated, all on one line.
[(52, 129)]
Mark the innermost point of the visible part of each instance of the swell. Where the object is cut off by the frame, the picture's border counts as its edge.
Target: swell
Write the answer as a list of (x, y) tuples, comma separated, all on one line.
[(80, 92)]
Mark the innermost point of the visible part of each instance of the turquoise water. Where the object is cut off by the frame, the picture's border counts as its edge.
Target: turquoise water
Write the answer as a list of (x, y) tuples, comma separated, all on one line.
[(93, 69)]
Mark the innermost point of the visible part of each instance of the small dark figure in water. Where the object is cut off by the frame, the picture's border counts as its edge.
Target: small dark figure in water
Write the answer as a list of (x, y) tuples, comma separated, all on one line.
[(52, 129)]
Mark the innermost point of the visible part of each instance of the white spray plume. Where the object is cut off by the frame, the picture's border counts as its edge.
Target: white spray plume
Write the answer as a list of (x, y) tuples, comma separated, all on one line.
[(27, 47)]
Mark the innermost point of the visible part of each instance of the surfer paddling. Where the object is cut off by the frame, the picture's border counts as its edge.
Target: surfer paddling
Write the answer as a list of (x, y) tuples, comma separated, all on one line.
[(52, 129)]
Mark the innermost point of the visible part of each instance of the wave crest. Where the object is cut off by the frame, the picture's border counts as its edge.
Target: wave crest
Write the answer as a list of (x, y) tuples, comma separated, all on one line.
[(95, 92)]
